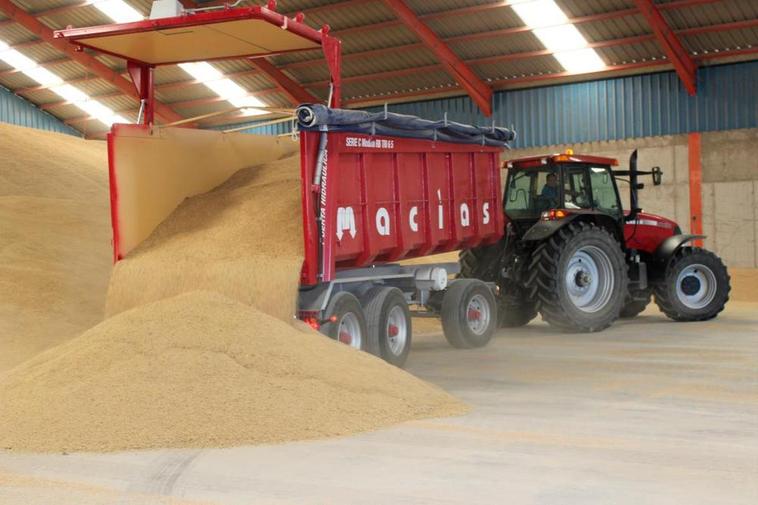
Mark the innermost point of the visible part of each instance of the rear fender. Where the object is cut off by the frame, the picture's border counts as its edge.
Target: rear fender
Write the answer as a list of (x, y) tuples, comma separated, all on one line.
[(545, 229), (671, 245)]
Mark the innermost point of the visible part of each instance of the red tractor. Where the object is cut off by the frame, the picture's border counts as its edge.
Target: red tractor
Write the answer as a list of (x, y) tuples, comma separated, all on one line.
[(572, 254)]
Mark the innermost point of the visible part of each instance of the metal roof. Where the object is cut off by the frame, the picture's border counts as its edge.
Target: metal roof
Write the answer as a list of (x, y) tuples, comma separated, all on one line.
[(384, 59)]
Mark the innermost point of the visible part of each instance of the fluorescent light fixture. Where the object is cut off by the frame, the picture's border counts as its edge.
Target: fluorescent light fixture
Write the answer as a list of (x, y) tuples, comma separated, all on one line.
[(561, 37), (69, 93), (539, 13), (17, 60), (119, 11), (553, 28), (43, 76), (227, 89), (580, 61)]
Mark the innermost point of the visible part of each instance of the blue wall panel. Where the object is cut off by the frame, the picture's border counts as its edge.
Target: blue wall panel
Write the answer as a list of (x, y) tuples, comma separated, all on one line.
[(18, 111), (610, 109)]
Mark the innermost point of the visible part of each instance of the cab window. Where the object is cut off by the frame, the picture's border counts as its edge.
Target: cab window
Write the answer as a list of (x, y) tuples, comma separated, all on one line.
[(604, 193), (531, 192), (577, 188)]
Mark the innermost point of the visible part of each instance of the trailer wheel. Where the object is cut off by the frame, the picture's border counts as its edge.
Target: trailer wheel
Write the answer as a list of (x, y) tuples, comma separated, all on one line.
[(389, 323), (347, 323), (469, 314), (579, 278), (695, 287), (634, 307)]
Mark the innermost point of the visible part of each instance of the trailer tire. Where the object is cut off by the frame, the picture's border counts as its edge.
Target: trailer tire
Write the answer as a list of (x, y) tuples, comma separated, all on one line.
[(695, 287), (579, 278), (389, 323), (469, 313), (349, 325), (634, 307)]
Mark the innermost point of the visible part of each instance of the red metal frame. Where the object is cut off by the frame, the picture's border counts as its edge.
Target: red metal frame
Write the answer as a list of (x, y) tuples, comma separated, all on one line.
[(477, 89), (677, 54), (141, 72), (30, 23)]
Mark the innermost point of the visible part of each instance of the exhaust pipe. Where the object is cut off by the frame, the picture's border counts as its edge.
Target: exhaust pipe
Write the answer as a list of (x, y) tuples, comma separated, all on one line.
[(633, 187)]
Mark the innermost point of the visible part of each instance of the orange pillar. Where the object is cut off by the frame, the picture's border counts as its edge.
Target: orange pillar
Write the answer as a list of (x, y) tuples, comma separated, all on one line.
[(696, 173)]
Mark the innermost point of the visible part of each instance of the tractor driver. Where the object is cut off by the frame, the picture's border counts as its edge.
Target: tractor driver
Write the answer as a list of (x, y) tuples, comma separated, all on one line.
[(550, 190)]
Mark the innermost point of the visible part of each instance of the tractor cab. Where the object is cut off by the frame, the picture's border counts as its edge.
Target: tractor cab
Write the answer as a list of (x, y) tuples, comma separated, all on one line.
[(554, 186)]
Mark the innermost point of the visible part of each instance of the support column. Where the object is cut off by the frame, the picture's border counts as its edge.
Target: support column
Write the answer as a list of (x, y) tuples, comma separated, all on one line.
[(696, 179)]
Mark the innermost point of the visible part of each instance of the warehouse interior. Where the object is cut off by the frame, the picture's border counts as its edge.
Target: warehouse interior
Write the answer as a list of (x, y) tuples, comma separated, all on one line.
[(275, 252)]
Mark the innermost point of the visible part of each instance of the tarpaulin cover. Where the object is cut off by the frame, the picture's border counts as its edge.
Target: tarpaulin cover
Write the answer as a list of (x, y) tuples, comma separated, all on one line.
[(390, 124)]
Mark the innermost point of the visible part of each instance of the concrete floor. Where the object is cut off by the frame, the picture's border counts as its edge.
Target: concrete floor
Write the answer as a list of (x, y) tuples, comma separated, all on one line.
[(647, 412)]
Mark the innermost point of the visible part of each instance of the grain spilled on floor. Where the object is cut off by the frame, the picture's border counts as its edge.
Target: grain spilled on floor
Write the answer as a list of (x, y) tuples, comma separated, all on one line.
[(200, 349)]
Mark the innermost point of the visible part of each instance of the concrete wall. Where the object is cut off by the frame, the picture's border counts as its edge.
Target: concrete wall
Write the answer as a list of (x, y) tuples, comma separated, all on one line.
[(729, 184)]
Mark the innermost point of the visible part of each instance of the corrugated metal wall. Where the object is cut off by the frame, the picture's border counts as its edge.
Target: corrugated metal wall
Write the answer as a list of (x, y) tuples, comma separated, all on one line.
[(636, 106), (18, 111)]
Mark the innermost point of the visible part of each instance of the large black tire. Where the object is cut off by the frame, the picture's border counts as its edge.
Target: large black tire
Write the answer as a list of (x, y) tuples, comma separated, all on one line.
[(696, 286), (389, 323), (634, 307), (480, 263), (561, 278), (348, 321), (513, 312), (463, 297)]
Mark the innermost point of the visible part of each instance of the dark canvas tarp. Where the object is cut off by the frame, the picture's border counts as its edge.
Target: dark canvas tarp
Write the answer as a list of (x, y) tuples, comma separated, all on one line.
[(390, 124)]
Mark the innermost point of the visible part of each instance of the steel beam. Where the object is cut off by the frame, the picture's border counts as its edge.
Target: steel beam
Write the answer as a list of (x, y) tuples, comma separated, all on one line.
[(683, 64), (477, 89), (696, 191), (103, 71), (295, 93), (530, 79)]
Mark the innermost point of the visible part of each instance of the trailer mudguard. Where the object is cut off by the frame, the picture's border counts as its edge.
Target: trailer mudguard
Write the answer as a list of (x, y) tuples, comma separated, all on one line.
[(672, 244)]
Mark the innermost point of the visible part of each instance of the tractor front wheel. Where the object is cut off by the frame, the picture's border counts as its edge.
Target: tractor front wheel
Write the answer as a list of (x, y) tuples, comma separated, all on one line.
[(579, 278), (695, 287)]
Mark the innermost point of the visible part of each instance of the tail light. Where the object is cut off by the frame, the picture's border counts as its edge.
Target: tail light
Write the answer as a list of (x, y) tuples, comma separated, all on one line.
[(553, 214)]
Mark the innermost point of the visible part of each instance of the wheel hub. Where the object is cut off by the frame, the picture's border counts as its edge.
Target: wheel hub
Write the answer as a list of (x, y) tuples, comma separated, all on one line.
[(589, 279), (397, 331), (349, 331), (478, 314), (696, 286), (690, 285)]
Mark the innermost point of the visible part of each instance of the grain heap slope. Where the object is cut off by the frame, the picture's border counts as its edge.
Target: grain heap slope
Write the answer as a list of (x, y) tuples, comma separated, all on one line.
[(55, 252), (201, 350)]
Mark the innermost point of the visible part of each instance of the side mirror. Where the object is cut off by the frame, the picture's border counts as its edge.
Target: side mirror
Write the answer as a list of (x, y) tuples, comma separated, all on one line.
[(657, 174)]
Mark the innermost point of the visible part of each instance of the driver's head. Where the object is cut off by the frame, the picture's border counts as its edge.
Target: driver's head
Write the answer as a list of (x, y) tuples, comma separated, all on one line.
[(552, 180)]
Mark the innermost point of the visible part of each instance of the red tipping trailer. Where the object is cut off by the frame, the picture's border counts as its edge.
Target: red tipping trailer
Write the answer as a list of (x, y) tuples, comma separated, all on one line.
[(373, 192)]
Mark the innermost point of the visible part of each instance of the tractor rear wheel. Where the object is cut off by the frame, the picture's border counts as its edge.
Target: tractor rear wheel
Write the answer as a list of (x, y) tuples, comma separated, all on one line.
[(634, 307), (513, 311), (579, 278), (695, 287)]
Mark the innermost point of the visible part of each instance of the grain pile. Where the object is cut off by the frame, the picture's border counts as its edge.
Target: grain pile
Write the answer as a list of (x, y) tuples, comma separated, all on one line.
[(186, 360), (55, 253)]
